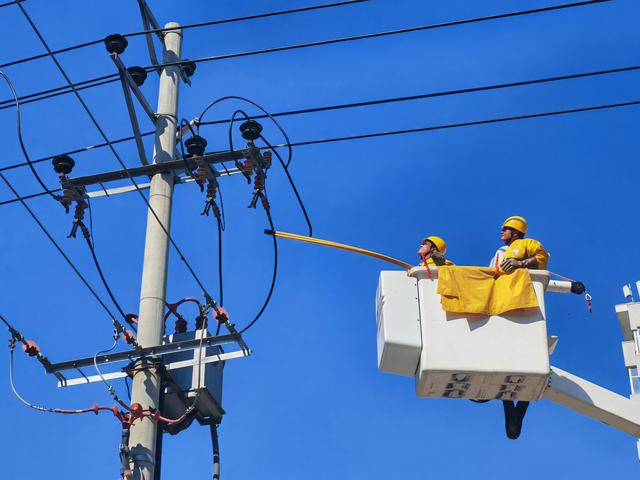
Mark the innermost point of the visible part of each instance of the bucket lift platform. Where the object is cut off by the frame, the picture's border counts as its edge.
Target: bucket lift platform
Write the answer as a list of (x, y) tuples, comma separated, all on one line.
[(503, 357), (455, 355)]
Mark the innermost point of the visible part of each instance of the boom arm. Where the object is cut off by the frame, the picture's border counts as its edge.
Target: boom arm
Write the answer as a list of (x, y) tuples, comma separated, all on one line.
[(594, 401)]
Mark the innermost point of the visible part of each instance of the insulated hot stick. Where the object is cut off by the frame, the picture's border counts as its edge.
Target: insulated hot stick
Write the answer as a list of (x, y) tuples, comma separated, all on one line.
[(341, 246)]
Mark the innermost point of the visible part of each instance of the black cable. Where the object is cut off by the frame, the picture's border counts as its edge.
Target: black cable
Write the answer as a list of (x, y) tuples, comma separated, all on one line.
[(284, 134), (231, 149), (384, 34), (115, 77), (292, 183), (6, 4), (117, 324), (439, 94), (356, 105), (220, 268), (258, 106), (115, 153), (20, 140), (422, 129), (183, 27), (54, 92), (93, 241), (77, 150), (363, 104), (102, 277), (273, 278), (126, 384), (463, 124), (215, 444)]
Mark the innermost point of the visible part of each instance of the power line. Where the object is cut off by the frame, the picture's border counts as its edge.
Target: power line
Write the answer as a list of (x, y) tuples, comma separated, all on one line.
[(386, 33), (115, 153), (421, 129), (358, 104), (114, 77), (183, 27), (463, 124), (7, 4), (62, 253)]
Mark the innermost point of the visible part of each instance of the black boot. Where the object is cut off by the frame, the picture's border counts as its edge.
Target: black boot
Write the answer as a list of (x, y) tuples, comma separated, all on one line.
[(513, 417)]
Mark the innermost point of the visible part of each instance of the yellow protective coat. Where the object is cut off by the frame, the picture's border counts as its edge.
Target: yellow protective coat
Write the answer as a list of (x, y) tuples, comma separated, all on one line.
[(478, 290), (431, 263), (527, 248)]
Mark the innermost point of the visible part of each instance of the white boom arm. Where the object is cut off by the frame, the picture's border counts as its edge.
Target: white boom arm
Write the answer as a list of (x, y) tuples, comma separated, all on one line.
[(594, 401)]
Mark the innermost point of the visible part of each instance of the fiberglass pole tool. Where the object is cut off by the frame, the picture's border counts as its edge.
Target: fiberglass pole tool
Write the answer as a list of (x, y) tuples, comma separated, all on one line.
[(342, 246)]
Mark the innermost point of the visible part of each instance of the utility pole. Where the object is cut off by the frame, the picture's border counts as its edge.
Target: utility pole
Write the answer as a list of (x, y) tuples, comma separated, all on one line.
[(146, 382)]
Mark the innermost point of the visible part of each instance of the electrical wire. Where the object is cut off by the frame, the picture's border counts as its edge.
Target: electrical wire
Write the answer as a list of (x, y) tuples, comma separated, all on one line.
[(20, 140), (215, 444), (115, 153), (6, 4), (95, 409), (115, 77), (293, 185), (183, 27), (102, 277), (421, 129), (116, 324), (384, 34), (284, 134), (273, 277), (110, 388), (221, 290), (360, 104)]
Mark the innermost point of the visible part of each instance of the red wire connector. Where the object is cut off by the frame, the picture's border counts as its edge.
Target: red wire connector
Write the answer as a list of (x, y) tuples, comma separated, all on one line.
[(221, 315), (129, 337), (31, 348)]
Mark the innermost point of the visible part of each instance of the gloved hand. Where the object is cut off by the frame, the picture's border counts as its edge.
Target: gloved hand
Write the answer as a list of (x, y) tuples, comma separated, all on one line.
[(510, 264), (437, 257)]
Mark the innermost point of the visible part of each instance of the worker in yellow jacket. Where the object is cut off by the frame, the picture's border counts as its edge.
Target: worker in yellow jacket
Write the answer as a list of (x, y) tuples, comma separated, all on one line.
[(432, 252), (519, 252)]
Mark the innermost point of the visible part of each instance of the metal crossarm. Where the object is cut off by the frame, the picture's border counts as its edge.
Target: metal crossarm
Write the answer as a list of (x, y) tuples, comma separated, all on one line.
[(150, 170), (159, 350)]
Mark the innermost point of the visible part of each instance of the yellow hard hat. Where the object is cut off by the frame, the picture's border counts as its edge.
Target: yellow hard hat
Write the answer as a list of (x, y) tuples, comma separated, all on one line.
[(517, 223), (440, 244)]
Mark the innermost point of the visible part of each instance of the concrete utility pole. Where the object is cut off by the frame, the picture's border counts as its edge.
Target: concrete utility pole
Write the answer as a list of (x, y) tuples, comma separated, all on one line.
[(146, 383)]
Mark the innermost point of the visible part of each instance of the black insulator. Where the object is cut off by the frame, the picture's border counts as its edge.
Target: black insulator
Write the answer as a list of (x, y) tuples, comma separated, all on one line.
[(116, 43), (196, 145), (250, 130), (181, 325), (200, 321), (578, 288), (63, 164), (138, 74), (189, 68)]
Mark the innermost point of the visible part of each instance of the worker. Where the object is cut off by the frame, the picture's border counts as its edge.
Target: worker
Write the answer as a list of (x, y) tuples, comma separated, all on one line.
[(432, 252), (518, 252)]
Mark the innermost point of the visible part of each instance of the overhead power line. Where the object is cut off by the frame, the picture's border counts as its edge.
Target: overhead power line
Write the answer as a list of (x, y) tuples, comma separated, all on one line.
[(7, 4), (424, 129), (115, 77), (60, 250), (183, 27), (362, 104)]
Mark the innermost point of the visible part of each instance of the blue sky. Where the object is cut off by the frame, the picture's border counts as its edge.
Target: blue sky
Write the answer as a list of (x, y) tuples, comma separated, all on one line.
[(310, 402)]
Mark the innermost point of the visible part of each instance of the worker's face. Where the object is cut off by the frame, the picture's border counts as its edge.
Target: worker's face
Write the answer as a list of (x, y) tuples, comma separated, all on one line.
[(509, 235), (426, 248)]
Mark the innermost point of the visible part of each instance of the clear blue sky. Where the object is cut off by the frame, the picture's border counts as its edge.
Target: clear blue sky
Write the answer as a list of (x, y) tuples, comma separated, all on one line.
[(310, 402)]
